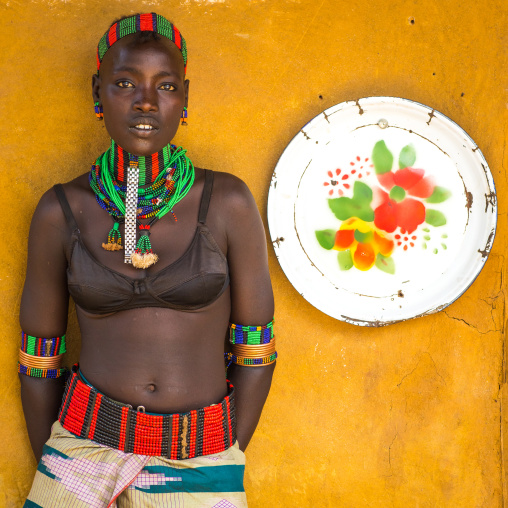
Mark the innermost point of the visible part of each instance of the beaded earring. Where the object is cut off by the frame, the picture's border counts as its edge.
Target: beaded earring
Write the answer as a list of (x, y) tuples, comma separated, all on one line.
[(98, 111), (184, 116)]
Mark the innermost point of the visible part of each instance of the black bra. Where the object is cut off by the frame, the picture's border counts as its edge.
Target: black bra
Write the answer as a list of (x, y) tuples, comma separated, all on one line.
[(193, 281)]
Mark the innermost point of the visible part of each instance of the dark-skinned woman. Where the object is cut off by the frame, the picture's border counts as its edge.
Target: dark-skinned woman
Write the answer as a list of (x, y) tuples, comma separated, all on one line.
[(163, 260)]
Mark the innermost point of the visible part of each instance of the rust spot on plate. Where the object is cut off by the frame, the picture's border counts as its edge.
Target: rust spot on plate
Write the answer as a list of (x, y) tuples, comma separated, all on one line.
[(278, 240), (488, 245), (469, 200), (400, 294), (490, 199), (431, 116), (305, 134), (359, 107)]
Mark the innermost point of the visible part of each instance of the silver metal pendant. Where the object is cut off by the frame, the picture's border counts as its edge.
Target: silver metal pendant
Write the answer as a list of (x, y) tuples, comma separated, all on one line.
[(131, 207)]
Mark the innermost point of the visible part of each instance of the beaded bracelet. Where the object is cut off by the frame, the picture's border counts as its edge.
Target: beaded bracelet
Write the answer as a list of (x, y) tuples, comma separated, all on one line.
[(253, 351), (41, 357), (240, 334), (252, 356), (47, 373), (251, 362)]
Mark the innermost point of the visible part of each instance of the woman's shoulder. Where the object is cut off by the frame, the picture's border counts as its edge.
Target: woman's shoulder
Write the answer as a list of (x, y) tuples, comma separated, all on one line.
[(77, 186), (232, 206), (49, 209), (232, 191)]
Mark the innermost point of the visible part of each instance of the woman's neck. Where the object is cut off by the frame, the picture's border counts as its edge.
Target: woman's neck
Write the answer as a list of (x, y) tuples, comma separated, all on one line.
[(150, 166)]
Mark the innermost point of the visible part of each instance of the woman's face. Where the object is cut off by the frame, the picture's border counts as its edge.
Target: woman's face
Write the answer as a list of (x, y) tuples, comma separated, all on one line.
[(142, 89)]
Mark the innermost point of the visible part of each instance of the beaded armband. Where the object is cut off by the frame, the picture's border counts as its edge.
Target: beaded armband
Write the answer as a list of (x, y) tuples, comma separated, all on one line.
[(251, 335), (251, 346), (41, 357)]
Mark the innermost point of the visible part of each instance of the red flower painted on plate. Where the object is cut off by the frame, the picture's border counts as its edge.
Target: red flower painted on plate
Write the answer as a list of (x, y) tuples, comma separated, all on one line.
[(407, 214), (402, 206), (405, 239), (340, 180)]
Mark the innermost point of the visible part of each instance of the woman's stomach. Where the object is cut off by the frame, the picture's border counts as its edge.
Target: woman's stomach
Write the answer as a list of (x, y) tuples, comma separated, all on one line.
[(164, 360)]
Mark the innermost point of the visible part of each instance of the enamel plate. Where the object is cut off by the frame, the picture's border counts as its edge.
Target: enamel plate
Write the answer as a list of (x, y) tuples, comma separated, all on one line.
[(381, 210)]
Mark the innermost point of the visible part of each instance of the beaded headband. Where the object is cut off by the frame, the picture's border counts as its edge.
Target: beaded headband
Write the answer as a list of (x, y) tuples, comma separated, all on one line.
[(141, 23)]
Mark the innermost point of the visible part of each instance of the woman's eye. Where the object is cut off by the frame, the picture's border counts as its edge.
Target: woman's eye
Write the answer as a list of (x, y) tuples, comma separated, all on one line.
[(125, 84), (168, 87)]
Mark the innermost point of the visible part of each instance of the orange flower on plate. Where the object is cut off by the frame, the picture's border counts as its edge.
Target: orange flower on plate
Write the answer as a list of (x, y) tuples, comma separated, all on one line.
[(364, 243)]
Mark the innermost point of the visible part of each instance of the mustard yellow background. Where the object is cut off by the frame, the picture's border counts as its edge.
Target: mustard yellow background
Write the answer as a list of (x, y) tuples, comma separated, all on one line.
[(410, 415)]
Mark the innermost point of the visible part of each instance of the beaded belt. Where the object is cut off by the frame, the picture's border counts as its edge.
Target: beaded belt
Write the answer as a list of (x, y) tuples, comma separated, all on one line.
[(89, 414)]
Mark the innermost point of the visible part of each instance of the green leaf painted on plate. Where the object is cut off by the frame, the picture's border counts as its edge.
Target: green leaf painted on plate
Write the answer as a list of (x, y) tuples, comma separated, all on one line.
[(363, 237), (326, 238), (397, 193), (386, 264), (439, 195), (435, 218), (345, 260), (382, 158), (357, 206), (407, 156)]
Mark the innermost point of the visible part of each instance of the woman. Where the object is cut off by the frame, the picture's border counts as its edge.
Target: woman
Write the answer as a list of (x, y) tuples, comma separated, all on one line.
[(148, 416)]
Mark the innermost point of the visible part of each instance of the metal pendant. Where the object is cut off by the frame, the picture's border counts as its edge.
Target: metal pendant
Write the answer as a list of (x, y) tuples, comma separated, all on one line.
[(131, 206)]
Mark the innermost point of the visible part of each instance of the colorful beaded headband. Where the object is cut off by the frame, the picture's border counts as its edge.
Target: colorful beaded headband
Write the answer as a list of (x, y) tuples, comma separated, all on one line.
[(141, 23)]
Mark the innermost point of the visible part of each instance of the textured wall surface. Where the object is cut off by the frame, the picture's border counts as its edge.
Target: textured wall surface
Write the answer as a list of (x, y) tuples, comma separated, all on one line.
[(410, 415)]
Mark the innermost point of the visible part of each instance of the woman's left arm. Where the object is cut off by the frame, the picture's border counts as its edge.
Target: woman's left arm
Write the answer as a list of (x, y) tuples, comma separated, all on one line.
[(251, 299)]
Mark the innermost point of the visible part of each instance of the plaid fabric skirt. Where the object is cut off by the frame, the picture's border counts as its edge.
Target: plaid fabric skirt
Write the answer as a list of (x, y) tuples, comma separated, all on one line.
[(79, 473)]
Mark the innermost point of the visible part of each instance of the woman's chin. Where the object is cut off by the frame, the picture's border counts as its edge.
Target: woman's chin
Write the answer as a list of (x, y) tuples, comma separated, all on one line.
[(143, 144)]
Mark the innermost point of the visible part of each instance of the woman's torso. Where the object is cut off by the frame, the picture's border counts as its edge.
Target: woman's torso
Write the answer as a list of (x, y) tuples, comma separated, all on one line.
[(164, 350)]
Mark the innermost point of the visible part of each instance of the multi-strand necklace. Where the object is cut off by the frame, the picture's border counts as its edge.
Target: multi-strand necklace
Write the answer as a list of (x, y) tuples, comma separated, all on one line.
[(131, 188)]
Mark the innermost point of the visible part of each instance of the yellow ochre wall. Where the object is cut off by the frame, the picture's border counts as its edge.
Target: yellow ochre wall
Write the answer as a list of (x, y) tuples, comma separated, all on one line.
[(404, 416)]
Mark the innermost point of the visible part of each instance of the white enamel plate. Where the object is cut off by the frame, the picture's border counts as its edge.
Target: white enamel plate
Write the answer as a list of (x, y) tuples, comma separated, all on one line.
[(381, 210)]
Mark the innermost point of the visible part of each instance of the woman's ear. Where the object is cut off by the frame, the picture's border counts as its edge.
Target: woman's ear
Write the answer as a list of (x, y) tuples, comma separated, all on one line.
[(186, 88), (96, 85)]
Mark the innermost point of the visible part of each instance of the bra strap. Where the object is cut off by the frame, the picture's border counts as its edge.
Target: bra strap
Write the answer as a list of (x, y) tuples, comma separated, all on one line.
[(205, 197), (69, 217)]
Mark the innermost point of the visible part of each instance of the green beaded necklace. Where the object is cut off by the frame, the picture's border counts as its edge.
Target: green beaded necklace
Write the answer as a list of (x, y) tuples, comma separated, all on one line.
[(175, 176)]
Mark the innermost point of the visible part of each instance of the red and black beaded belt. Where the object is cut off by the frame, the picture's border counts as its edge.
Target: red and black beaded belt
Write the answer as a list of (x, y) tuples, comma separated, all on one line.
[(89, 414)]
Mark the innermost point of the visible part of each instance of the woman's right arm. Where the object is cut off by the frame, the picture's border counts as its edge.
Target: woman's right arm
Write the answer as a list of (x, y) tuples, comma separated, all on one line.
[(43, 313)]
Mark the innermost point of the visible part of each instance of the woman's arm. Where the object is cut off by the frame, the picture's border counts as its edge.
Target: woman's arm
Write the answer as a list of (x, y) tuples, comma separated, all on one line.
[(43, 312), (251, 299)]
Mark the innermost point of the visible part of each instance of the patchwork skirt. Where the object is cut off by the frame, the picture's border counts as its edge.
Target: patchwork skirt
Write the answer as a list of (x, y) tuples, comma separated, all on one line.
[(79, 473)]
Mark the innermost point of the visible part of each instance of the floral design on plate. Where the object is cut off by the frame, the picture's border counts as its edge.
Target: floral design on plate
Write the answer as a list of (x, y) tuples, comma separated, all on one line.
[(397, 199)]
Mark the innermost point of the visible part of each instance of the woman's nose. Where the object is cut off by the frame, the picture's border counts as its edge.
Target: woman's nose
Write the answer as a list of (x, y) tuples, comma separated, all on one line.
[(146, 99)]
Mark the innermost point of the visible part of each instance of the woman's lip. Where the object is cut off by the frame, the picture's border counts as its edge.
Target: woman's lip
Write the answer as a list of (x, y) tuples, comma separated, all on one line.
[(143, 133), (145, 120)]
